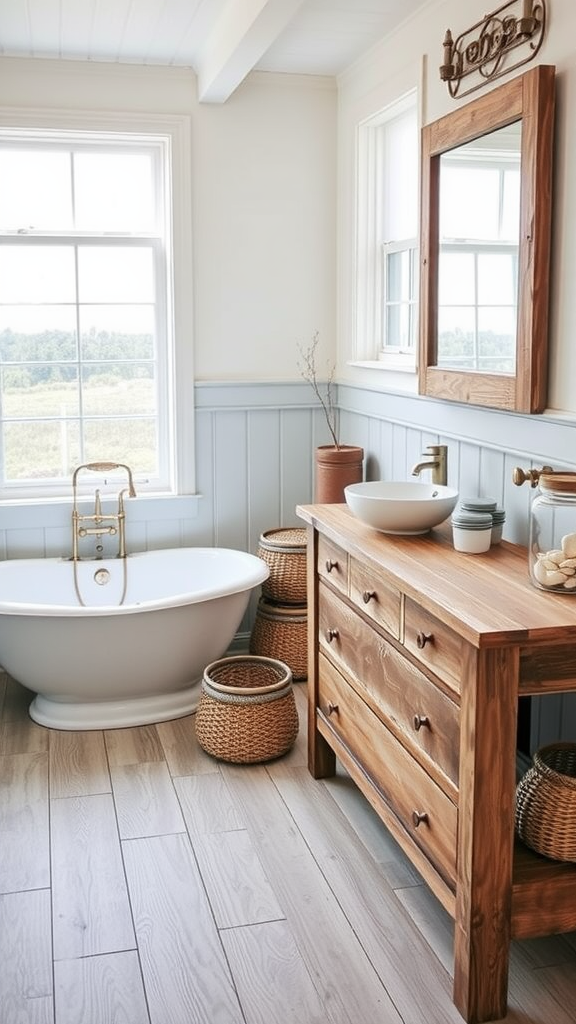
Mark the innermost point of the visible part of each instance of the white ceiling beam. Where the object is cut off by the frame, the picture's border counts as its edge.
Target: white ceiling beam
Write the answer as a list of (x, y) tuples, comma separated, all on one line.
[(245, 30)]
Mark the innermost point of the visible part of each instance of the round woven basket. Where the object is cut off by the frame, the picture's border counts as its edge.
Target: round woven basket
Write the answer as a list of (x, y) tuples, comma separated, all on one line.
[(246, 712), (546, 803), (281, 631), (284, 551)]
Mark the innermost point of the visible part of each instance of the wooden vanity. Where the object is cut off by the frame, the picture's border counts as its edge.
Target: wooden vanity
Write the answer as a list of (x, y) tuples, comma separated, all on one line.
[(417, 657)]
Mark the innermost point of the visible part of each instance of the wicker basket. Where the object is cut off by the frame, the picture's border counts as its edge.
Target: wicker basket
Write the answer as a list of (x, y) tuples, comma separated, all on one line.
[(546, 803), (284, 551), (281, 631), (246, 712)]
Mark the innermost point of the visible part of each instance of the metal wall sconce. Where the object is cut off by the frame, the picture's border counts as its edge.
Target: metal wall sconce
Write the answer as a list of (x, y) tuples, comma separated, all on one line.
[(485, 49)]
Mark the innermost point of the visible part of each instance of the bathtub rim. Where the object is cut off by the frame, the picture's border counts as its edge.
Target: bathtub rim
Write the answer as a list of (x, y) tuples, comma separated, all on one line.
[(257, 571)]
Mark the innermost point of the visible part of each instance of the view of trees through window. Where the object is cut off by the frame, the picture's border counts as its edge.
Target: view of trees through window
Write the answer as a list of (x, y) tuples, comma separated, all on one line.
[(82, 310)]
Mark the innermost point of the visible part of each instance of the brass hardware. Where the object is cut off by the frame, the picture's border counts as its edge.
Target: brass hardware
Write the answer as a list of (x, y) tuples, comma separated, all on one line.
[(438, 463), (420, 721), (485, 48), (368, 596), (102, 523), (330, 564), (331, 634), (419, 818), (520, 476), (424, 638), (333, 709)]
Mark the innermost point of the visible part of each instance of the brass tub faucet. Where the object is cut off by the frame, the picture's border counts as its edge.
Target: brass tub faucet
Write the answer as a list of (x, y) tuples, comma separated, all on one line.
[(101, 523)]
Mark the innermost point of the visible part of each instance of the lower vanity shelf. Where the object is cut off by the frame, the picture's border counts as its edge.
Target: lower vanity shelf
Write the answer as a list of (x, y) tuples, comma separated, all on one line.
[(417, 657)]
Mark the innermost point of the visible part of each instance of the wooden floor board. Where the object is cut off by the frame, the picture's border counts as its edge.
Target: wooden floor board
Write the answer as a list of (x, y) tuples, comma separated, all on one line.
[(22, 736), (272, 980), (238, 890), (78, 764), (17, 700), (100, 990), (185, 971), (24, 846), (146, 803), (91, 910), (183, 754), (207, 803), (133, 746), (25, 958)]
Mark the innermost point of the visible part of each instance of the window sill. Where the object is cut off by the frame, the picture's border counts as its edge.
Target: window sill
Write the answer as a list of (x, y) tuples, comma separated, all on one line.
[(22, 514), (390, 365)]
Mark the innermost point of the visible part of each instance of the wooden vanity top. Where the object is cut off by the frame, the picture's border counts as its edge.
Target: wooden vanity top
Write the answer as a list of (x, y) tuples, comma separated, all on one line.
[(489, 597)]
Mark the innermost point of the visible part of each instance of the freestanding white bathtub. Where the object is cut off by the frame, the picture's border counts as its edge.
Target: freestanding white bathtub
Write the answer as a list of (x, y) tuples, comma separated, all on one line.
[(96, 663)]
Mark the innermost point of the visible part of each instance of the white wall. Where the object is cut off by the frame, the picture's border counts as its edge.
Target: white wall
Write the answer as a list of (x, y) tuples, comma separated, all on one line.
[(265, 227), (264, 201), (411, 57)]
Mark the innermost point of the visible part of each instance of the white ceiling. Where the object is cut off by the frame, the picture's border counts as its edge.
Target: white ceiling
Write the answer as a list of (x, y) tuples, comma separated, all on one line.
[(222, 40)]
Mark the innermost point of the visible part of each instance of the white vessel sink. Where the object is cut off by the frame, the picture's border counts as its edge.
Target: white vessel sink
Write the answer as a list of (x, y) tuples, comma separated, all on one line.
[(401, 507)]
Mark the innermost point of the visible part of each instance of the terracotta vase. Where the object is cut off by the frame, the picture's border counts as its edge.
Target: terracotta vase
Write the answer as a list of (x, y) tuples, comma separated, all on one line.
[(335, 469)]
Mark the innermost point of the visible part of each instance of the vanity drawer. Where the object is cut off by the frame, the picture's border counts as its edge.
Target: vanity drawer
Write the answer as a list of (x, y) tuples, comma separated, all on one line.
[(380, 601), (413, 707), (434, 644), (333, 563), (425, 812)]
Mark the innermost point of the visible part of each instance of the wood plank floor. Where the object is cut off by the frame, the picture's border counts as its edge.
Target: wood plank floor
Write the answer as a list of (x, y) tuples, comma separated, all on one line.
[(143, 882)]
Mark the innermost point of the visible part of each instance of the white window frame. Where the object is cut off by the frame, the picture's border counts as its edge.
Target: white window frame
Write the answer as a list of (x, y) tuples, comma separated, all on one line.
[(372, 349), (173, 133), (390, 345)]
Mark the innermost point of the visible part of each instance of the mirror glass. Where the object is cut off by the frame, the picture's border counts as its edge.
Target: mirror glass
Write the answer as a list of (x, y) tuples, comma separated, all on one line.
[(486, 208), (479, 225)]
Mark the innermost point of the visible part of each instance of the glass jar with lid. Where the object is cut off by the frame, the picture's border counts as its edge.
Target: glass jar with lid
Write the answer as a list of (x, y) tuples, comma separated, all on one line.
[(552, 544)]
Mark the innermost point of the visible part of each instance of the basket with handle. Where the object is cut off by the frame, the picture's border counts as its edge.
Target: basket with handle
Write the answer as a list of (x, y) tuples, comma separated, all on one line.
[(546, 803), (246, 712)]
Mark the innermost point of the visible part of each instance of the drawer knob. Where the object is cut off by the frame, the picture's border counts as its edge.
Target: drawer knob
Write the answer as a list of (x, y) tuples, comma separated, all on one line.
[(422, 639), (368, 596), (331, 564), (419, 818), (421, 720), (331, 634), (332, 708)]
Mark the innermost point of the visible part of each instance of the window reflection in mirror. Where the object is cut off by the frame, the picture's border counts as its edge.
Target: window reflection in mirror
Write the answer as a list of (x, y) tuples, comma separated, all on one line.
[(478, 253)]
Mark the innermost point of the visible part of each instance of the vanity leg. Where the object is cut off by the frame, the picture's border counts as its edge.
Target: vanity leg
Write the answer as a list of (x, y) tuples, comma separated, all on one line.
[(321, 757), (485, 834)]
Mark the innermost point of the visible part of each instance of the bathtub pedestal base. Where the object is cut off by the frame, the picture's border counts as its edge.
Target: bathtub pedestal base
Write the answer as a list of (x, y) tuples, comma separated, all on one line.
[(114, 714)]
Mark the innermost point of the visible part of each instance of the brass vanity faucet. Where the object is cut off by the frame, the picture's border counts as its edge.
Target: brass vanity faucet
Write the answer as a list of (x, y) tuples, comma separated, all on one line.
[(438, 463), (102, 523)]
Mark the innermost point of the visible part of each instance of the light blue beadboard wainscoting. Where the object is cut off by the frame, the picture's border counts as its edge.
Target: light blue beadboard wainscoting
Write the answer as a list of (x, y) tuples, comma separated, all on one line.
[(254, 464)]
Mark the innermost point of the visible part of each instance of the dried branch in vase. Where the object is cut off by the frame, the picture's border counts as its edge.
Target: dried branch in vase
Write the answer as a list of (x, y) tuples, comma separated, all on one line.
[(309, 372)]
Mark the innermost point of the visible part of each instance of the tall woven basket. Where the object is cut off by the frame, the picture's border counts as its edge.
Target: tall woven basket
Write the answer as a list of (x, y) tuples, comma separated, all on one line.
[(246, 712), (284, 551), (281, 631), (546, 803)]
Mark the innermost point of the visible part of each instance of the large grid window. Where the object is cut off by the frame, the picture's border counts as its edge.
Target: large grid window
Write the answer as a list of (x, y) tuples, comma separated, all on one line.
[(85, 310)]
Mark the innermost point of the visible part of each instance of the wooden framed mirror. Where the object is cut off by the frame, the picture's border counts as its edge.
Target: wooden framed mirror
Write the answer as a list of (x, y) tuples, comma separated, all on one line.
[(485, 271)]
